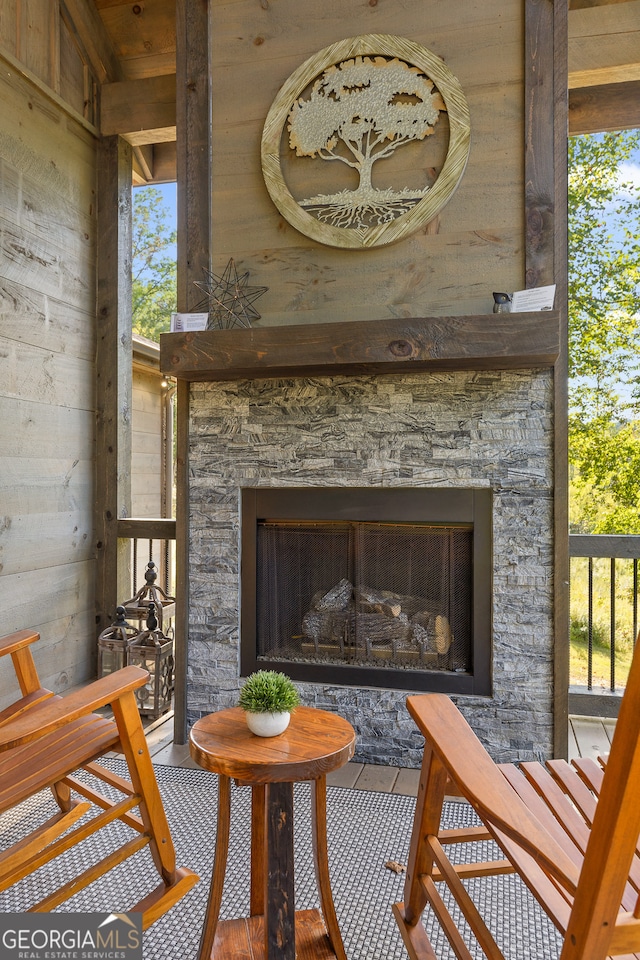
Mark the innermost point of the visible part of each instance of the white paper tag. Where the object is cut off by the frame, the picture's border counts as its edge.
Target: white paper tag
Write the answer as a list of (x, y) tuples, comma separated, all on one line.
[(538, 298), (183, 322)]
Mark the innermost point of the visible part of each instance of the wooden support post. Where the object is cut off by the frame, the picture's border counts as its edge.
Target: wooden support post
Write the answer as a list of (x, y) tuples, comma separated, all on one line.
[(546, 109), (279, 881), (113, 375), (258, 850), (561, 387), (193, 162)]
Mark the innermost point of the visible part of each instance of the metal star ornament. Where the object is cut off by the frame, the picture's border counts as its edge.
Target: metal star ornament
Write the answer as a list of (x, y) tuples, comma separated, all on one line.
[(229, 298)]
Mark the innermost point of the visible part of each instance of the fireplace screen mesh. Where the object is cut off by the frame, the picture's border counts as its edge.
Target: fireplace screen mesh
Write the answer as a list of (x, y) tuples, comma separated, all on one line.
[(379, 595)]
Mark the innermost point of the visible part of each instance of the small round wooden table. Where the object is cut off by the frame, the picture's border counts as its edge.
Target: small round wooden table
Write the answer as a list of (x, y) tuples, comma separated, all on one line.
[(314, 743)]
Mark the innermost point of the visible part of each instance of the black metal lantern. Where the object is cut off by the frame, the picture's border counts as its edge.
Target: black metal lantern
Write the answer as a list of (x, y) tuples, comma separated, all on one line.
[(153, 651), (138, 606), (113, 644)]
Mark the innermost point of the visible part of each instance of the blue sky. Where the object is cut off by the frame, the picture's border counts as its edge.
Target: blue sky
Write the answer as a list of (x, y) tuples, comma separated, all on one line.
[(168, 191), (630, 172)]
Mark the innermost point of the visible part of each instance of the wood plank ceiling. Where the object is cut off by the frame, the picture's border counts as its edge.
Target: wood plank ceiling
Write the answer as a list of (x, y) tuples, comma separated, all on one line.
[(132, 49)]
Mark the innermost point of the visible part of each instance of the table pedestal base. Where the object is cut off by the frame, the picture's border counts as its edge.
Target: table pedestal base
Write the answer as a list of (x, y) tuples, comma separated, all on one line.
[(243, 939), (314, 743)]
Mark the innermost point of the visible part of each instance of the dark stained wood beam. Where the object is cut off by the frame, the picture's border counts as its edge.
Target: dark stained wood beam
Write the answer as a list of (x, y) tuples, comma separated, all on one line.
[(193, 163), (561, 565), (194, 148), (605, 545), (493, 341), (136, 528), (539, 109), (546, 84), (613, 106)]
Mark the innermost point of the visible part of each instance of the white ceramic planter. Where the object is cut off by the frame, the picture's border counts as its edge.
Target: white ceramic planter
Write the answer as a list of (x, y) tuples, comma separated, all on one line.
[(268, 724)]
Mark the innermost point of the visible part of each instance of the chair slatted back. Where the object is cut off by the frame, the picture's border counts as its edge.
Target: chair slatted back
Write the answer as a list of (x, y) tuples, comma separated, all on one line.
[(570, 832), (614, 837)]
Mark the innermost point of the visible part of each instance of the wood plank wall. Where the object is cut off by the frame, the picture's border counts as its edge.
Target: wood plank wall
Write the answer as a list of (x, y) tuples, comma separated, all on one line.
[(37, 35), (148, 467), (146, 442), (47, 391), (473, 247)]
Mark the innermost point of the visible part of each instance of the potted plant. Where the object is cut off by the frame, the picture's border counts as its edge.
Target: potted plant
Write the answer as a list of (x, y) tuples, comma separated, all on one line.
[(268, 697)]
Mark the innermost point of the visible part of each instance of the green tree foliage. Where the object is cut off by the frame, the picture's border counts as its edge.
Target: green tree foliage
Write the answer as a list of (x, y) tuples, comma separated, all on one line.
[(604, 361), (153, 264)]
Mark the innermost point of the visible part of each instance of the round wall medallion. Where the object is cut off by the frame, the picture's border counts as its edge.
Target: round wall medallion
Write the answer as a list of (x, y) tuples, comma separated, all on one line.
[(342, 125)]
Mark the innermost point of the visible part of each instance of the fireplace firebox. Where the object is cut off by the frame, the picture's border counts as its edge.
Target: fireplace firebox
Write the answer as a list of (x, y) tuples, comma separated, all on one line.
[(368, 586)]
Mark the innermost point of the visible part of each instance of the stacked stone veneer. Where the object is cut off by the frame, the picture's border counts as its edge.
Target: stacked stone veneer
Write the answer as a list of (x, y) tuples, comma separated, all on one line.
[(456, 429)]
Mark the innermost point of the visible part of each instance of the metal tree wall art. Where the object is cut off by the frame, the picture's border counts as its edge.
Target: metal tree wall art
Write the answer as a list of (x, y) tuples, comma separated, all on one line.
[(356, 104), (229, 298), (360, 112)]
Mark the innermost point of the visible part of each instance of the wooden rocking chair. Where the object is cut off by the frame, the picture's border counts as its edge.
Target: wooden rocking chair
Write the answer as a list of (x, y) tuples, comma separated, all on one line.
[(570, 832), (44, 740)]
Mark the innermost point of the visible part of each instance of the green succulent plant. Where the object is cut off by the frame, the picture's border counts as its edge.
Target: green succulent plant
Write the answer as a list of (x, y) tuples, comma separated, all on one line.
[(267, 691)]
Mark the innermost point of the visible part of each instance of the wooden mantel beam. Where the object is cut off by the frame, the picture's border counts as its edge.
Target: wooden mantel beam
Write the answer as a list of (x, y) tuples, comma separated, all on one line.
[(405, 345)]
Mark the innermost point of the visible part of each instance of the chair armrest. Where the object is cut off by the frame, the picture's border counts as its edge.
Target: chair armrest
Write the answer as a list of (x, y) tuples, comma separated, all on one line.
[(16, 641), (479, 779), (18, 707), (56, 712), (18, 645)]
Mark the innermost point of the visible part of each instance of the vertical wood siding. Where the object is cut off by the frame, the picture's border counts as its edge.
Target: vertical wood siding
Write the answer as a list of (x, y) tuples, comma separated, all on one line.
[(146, 443)]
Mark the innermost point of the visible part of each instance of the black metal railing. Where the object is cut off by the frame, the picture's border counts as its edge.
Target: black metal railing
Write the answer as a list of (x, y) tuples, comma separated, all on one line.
[(604, 610)]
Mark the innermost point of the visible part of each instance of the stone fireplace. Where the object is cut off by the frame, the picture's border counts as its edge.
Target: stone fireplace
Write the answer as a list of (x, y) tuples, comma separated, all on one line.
[(402, 429), (368, 587), (382, 368)]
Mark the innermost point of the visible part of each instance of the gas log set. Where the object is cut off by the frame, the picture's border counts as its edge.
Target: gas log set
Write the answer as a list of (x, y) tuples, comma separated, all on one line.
[(377, 623)]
